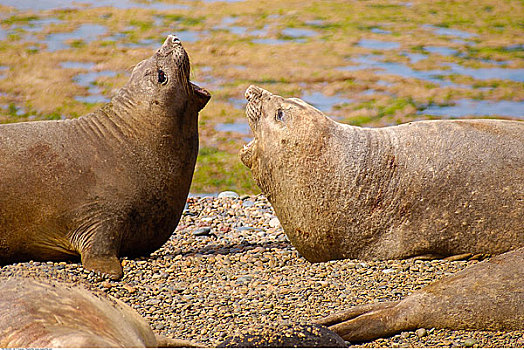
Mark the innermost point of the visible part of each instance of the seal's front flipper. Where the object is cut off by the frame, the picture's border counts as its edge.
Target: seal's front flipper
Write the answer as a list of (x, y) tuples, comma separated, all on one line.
[(364, 322), (108, 265)]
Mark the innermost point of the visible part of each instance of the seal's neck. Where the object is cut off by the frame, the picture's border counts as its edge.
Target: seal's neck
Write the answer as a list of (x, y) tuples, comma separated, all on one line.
[(139, 120)]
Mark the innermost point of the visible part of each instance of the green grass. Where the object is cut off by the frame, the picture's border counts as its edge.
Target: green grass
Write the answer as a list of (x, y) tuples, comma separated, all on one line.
[(221, 170)]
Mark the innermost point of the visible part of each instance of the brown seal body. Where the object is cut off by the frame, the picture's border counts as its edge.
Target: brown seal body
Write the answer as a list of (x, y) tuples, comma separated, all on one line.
[(433, 188), (111, 183), (38, 314), (488, 296)]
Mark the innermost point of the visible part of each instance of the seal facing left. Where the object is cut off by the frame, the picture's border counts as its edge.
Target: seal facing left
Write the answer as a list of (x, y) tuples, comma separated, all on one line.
[(108, 184)]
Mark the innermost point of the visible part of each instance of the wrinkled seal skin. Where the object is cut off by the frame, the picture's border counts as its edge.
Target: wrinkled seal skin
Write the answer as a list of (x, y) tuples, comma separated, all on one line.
[(39, 314), (488, 296), (428, 188), (111, 183)]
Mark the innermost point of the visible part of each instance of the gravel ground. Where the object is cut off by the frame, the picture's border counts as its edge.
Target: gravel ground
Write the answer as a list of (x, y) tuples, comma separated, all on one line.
[(229, 267)]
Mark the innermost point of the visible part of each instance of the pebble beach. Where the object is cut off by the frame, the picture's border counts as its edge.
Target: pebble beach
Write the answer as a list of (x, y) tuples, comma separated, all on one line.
[(229, 268)]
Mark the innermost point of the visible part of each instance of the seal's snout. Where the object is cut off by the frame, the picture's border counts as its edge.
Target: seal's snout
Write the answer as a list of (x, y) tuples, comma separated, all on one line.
[(253, 92), (172, 41)]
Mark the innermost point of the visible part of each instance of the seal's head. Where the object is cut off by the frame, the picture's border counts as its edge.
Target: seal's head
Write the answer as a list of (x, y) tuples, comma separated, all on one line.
[(285, 130), (161, 83), (291, 160)]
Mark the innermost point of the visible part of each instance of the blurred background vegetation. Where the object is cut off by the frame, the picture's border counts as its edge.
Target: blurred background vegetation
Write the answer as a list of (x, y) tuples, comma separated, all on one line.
[(368, 63)]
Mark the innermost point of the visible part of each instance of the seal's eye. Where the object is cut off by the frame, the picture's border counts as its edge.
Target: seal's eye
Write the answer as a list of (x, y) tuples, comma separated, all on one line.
[(279, 116), (162, 77)]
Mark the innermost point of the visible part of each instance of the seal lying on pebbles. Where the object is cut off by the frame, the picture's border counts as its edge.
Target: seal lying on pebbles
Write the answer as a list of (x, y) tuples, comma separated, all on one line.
[(286, 336), (428, 188), (111, 183), (38, 314), (488, 296)]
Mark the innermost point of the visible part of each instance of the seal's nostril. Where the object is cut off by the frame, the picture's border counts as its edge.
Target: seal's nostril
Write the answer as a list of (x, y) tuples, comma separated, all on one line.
[(175, 39)]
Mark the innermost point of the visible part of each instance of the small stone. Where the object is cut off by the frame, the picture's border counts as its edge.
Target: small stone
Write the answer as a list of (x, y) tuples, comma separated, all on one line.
[(130, 289), (228, 194), (421, 332), (248, 204), (203, 231), (106, 284), (274, 222), (469, 342)]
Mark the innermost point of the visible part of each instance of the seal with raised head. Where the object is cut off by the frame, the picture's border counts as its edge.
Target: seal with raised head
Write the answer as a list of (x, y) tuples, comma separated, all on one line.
[(427, 188), (486, 296), (44, 314), (108, 184)]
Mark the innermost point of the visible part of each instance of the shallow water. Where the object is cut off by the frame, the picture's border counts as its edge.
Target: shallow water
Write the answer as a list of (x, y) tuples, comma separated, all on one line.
[(92, 98), (88, 80), (3, 72), (39, 5), (441, 50), (142, 43), (323, 102), (77, 65), (415, 57), (211, 1), (467, 107), (297, 35), (85, 32), (190, 36), (436, 75), (226, 24), (238, 127), (299, 32), (238, 103), (378, 30), (450, 32), (269, 41), (26, 31), (378, 44), (394, 68), (513, 74)]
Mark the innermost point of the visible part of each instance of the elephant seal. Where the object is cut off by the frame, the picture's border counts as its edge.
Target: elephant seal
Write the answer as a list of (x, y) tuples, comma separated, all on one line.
[(486, 296), (427, 188), (108, 184), (285, 336), (44, 314)]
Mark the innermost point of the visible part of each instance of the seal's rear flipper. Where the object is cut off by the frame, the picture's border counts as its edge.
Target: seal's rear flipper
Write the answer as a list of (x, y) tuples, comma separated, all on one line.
[(364, 322)]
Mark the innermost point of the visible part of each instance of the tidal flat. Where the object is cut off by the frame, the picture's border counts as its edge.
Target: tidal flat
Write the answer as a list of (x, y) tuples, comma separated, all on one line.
[(369, 63)]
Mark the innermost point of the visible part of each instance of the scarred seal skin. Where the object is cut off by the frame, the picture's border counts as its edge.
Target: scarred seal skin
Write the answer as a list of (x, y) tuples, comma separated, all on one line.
[(428, 188), (488, 296), (44, 314), (108, 184)]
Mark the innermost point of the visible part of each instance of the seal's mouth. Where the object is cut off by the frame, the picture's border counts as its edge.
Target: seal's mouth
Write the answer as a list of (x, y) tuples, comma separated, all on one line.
[(202, 95)]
